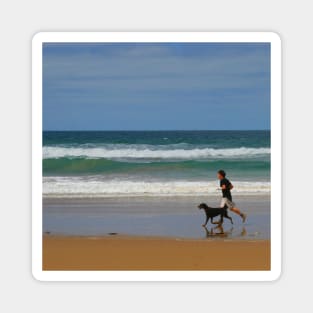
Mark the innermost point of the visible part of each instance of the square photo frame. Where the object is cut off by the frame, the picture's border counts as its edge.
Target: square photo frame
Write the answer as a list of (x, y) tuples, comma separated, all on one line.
[(74, 73)]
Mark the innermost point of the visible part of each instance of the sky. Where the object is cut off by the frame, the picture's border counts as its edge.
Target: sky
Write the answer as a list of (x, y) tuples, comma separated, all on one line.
[(156, 86)]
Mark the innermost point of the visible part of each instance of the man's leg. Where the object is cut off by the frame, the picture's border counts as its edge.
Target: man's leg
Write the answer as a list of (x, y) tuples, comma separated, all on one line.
[(236, 210), (223, 202)]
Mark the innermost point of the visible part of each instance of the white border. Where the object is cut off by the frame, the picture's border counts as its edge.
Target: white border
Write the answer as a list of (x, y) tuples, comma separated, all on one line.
[(270, 37)]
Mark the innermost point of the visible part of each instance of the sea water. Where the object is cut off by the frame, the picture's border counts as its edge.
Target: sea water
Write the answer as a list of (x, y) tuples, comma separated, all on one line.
[(153, 163)]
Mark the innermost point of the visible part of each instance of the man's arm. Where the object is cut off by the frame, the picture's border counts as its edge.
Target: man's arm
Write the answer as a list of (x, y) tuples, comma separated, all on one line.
[(230, 187)]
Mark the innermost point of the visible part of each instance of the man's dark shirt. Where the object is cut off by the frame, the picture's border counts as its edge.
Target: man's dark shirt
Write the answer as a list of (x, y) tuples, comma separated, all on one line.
[(226, 192)]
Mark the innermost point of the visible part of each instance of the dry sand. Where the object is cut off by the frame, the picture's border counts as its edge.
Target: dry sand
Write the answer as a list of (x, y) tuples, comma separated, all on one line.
[(148, 253)]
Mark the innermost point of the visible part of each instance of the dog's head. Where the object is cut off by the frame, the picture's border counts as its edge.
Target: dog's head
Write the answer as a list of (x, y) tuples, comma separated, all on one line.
[(202, 206)]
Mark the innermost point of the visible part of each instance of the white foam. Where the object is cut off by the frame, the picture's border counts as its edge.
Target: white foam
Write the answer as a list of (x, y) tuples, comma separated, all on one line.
[(92, 187), (158, 152)]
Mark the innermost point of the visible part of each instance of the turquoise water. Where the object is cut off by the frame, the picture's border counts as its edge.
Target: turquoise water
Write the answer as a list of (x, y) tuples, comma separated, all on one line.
[(121, 163)]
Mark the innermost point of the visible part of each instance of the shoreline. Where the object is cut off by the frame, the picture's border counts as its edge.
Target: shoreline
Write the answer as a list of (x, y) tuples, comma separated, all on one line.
[(124, 252), (177, 217)]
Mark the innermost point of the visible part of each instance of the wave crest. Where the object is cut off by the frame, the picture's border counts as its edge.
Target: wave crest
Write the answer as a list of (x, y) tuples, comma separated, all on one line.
[(158, 152), (92, 187)]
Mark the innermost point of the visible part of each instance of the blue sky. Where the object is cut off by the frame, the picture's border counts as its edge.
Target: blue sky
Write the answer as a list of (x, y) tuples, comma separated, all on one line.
[(151, 86)]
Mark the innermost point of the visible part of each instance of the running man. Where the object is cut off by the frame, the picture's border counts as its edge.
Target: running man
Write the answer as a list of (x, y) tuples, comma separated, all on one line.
[(226, 187)]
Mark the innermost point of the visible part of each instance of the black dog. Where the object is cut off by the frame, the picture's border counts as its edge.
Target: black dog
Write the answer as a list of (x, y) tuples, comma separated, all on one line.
[(212, 212)]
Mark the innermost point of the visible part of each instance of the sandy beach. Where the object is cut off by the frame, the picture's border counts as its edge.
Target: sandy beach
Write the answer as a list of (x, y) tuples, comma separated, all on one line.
[(152, 253), (152, 234)]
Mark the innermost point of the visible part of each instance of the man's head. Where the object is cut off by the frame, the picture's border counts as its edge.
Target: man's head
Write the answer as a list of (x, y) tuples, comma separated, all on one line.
[(221, 174)]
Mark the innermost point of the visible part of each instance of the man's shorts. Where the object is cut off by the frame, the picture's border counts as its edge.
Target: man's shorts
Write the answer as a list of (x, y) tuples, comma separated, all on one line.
[(228, 203)]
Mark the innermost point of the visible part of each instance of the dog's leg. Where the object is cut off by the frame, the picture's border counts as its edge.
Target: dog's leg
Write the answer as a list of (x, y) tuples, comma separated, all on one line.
[(221, 220), (207, 233), (206, 221), (214, 222), (227, 216)]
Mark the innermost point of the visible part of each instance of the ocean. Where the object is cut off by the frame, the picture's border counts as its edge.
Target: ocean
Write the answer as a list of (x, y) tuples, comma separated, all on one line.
[(98, 164)]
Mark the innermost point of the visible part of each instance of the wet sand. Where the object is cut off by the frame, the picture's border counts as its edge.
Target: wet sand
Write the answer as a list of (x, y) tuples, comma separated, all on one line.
[(153, 253), (177, 217)]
